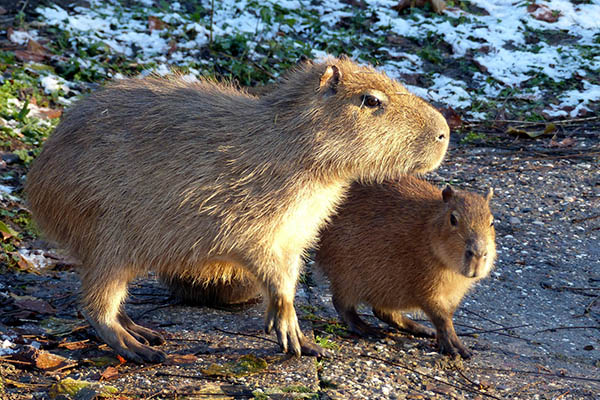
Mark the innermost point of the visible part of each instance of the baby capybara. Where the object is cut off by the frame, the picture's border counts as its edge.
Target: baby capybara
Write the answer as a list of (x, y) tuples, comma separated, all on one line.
[(184, 178), (408, 245)]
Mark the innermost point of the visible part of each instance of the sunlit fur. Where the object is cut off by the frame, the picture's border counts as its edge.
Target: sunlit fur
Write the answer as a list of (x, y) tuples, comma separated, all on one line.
[(392, 246), (188, 178)]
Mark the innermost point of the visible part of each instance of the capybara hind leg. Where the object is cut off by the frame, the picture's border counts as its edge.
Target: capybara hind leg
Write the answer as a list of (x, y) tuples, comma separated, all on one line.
[(402, 322), (139, 332), (351, 318), (281, 315), (102, 300)]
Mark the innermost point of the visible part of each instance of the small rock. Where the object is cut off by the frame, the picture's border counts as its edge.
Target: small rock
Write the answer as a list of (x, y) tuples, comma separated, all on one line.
[(514, 220)]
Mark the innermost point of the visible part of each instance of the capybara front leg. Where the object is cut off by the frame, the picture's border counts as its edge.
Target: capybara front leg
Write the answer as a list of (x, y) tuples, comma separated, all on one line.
[(448, 341), (102, 300), (281, 315)]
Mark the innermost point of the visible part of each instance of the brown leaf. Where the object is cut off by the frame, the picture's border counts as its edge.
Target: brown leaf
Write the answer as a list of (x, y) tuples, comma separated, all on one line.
[(176, 359), (566, 142), (42, 359), (156, 24), (36, 48), (31, 303), (543, 13), (25, 56), (49, 112), (452, 117), (109, 373)]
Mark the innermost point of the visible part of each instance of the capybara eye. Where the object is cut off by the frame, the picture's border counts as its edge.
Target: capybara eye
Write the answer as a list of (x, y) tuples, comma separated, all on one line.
[(492, 223), (453, 219), (371, 101)]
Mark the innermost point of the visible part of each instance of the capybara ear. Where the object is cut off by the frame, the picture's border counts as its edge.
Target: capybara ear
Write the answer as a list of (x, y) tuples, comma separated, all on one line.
[(447, 193), (489, 195), (330, 79)]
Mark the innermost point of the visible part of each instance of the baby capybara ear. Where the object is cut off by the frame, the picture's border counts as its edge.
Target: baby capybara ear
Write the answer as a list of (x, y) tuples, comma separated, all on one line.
[(489, 195), (447, 193)]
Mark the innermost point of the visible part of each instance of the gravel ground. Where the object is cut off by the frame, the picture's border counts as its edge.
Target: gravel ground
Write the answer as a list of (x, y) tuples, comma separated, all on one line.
[(533, 324)]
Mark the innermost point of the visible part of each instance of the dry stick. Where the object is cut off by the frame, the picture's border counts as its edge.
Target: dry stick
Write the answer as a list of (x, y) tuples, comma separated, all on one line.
[(578, 220), (587, 309), (577, 288), (245, 334), (565, 327), (520, 371), (459, 386), (480, 331), (483, 317), (500, 333)]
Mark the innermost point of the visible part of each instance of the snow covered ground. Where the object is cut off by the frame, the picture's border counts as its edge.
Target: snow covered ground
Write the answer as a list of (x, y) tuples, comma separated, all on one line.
[(516, 51)]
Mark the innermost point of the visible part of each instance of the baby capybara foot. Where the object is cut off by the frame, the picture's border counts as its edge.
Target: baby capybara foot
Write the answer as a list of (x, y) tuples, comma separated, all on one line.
[(401, 322)]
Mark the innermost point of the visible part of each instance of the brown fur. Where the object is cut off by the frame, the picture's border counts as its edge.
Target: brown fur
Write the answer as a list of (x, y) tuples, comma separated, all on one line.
[(393, 246), (191, 178)]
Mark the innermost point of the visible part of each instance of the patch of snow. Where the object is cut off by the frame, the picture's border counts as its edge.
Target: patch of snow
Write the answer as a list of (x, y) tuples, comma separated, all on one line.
[(22, 37), (576, 99), (35, 258), (6, 347), (53, 83), (6, 189)]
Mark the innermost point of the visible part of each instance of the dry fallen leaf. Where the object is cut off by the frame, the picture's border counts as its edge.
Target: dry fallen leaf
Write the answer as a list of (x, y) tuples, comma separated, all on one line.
[(543, 13), (109, 373), (177, 359), (452, 117), (566, 142), (156, 24)]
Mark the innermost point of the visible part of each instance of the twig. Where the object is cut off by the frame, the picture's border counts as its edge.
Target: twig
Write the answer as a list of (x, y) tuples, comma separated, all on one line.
[(140, 315), (576, 288), (492, 330), (460, 386), (212, 13), (518, 371), (587, 309), (578, 220), (565, 327), (483, 317), (246, 334)]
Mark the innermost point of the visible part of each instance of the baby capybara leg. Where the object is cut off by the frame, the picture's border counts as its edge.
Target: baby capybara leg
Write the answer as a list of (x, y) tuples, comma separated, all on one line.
[(102, 300), (447, 340), (280, 285), (350, 317), (399, 321)]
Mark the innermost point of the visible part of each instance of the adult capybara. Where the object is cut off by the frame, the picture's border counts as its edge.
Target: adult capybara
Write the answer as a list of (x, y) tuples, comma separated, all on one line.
[(183, 177), (408, 245)]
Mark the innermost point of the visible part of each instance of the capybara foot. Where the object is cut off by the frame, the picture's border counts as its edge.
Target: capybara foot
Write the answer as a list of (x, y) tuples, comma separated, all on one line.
[(311, 349), (354, 322), (402, 322), (125, 344), (142, 334), (453, 347), (281, 316)]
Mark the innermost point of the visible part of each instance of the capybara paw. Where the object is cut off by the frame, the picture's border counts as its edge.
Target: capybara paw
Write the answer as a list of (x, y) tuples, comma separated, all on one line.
[(141, 353), (454, 350), (312, 349), (421, 330), (148, 335)]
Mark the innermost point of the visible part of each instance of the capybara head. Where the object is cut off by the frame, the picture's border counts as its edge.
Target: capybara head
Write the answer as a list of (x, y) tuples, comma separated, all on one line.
[(465, 239), (367, 125)]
